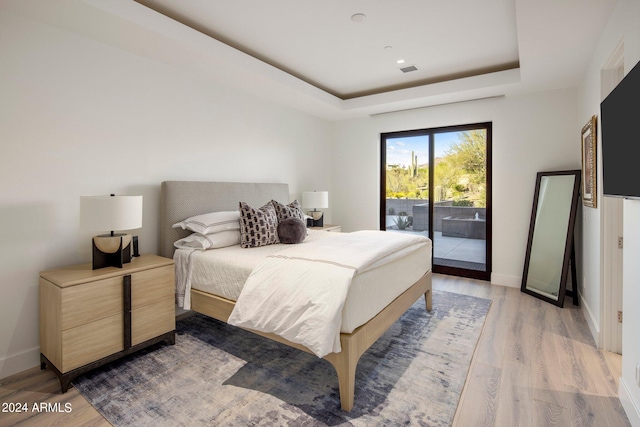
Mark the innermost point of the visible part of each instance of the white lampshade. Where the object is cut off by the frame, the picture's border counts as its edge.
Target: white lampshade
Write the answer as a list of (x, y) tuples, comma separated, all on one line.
[(110, 213), (315, 199)]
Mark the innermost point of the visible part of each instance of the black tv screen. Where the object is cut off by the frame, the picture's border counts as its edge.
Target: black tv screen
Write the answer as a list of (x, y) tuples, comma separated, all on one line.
[(620, 127)]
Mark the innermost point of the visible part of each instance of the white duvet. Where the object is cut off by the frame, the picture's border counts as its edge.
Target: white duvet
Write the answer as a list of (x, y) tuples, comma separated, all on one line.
[(298, 293), (226, 268)]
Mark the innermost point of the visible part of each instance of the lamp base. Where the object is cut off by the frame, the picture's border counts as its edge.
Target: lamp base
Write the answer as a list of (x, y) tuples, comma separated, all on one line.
[(316, 220), (111, 251)]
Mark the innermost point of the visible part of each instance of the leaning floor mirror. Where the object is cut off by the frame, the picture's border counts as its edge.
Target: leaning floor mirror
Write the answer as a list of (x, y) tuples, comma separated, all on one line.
[(550, 245)]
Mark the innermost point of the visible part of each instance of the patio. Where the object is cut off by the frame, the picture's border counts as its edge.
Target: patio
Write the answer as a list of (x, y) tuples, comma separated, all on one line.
[(455, 251), (459, 231)]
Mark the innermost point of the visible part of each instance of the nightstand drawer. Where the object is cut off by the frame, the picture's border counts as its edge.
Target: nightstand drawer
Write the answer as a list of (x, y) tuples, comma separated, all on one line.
[(152, 285), (152, 320), (91, 301), (90, 342)]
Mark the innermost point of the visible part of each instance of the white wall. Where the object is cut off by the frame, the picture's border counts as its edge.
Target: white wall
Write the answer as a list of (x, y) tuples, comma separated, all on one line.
[(622, 27), (531, 133), (79, 117), (629, 386)]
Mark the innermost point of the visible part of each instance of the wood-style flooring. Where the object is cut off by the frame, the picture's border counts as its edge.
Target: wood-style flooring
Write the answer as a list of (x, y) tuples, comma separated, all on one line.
[(535, 365)]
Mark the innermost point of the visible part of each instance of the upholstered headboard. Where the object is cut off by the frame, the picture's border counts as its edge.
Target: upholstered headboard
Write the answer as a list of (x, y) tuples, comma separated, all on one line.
[(180, 200)]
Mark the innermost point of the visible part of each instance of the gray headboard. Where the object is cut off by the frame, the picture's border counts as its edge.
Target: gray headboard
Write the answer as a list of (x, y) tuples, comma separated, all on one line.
[(180, 200)]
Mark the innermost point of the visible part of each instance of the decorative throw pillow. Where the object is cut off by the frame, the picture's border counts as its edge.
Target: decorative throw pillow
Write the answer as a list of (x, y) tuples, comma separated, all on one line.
[(292, 231), (258, 227), (292, 210), (213, 222)]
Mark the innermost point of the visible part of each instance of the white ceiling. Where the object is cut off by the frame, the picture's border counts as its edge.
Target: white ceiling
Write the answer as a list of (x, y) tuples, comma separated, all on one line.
[(318, 41), (310, 55)]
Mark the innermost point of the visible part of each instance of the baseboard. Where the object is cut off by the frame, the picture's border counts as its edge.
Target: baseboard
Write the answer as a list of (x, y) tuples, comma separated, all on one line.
[(630, 407), (22, 361), (504, 280), (594, 327)]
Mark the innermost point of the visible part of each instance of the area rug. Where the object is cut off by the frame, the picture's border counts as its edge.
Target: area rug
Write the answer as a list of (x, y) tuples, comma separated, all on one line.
[(219, 375)]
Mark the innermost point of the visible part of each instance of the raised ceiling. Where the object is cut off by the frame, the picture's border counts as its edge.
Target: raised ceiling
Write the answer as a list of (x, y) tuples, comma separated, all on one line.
[(354, 48), (311, 55)]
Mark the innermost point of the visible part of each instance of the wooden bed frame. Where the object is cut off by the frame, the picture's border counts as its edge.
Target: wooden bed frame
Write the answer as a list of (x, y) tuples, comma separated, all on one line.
[(183, 199)]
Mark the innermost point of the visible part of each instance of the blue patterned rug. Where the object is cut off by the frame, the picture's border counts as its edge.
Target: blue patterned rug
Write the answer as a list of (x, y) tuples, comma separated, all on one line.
[(219, 375)]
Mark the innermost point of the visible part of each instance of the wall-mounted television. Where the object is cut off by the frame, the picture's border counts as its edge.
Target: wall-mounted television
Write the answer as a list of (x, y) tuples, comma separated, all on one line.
[(620, 127)]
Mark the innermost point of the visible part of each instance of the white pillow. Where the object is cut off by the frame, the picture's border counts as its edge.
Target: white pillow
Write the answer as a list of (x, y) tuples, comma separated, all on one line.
[(213, 222), (218, 240)]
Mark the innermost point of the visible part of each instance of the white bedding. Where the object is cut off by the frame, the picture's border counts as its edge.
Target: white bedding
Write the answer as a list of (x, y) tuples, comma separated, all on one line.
[(223, 272), (299, 293)]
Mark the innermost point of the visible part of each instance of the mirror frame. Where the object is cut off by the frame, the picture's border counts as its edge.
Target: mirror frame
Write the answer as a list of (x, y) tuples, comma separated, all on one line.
[(568, 248)]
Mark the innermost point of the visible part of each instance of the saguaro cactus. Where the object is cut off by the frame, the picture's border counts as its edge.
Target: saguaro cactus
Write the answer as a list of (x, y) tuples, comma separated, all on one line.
[(413, 169)]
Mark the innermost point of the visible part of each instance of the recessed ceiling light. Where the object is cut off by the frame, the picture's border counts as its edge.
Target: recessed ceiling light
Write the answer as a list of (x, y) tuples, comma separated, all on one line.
[(388, 47), (358, 17), (400, 61)]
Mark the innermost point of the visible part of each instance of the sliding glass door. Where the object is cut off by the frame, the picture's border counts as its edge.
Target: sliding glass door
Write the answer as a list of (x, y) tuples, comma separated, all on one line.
[(437, 182)]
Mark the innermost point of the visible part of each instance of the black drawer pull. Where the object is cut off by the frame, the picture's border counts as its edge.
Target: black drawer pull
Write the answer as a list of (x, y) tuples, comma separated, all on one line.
[(126, 294)]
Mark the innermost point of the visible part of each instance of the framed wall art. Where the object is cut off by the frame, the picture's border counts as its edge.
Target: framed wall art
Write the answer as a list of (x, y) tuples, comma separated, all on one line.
[(589, 164)]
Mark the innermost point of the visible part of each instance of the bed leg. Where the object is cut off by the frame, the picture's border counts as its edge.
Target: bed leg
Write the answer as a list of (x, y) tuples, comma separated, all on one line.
[(345, 363), (427, 299)]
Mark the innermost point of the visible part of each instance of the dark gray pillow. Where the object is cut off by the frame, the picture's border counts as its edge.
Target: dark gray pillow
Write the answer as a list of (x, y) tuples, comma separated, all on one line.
[(291, 231)]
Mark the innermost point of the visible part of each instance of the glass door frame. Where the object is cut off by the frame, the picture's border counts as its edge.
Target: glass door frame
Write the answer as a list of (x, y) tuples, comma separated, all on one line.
[(431, 132)]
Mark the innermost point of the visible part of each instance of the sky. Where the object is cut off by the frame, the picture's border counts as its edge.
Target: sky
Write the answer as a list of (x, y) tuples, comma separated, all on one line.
[(399, 149)]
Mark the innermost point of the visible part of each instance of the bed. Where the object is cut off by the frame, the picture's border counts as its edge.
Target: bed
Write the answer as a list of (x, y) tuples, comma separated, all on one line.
[(183, 199)]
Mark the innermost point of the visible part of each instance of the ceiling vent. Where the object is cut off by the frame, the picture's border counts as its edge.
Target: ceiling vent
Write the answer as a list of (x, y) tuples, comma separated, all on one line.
[(409, 69)]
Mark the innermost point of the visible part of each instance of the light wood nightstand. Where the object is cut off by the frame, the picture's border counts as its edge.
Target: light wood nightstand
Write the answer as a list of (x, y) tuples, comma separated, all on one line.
[(92, 317), (328, 227)]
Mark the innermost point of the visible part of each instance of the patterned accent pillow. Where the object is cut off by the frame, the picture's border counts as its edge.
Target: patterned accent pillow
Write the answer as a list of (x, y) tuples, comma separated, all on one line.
[(292, 210), (258, 227)]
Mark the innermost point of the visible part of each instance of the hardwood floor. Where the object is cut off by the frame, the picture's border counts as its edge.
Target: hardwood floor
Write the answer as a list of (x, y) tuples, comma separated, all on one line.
[(36, 387), (535, 365)]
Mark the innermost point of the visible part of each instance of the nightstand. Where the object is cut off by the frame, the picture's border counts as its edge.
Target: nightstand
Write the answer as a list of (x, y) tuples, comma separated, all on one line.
[(328, 227), (89, 318)]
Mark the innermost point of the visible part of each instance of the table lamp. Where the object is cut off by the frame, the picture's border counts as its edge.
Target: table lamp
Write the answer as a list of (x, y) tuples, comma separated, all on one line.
[(315, 200), (110, 213)]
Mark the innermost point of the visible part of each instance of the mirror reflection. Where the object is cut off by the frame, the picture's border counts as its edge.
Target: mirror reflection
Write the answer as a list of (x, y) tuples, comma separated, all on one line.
[(551, 235)]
